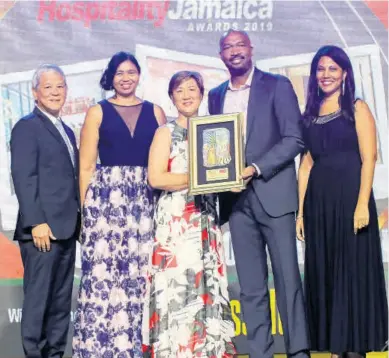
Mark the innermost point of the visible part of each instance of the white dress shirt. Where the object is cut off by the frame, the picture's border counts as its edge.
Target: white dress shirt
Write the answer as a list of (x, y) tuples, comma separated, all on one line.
[(237, 101), (49, 116), (57, 121)]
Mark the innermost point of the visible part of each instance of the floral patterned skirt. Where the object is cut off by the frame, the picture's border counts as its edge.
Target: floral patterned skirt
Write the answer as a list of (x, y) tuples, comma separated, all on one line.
[(189, 312), (116, 246)]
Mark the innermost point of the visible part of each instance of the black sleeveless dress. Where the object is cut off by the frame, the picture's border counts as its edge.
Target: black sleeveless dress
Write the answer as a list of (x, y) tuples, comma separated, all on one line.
[(344, 278)]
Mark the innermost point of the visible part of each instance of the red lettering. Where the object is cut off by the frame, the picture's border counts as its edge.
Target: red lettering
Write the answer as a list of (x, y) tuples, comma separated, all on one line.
[(124, 12), (157, 10), (112, 7), (150, 8), (46, 6), (138, 10), (61, 14), (162, 9), (91, 13), (78, 10), (134, 10), (88, 11), (103, 9)]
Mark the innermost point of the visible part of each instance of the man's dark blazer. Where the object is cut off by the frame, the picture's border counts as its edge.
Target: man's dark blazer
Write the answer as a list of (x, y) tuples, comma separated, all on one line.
[(273, 140), (45, 181)]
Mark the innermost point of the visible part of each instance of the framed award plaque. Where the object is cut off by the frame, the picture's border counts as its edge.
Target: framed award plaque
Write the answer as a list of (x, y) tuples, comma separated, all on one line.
[(215, 145)]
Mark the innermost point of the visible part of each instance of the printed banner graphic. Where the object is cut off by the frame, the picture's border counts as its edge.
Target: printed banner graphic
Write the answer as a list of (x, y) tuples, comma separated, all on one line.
[(166, 37)]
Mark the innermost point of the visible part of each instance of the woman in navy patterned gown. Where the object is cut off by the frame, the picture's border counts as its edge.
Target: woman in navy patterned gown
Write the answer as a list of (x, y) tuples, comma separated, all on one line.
[(118, 207)]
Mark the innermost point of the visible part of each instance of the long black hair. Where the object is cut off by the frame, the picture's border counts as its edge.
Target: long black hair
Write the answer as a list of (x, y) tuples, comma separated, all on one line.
[(106, 81), (315, 94)]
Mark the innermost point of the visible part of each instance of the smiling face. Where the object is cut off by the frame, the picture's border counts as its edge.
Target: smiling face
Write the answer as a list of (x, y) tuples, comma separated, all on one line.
[(236, 52), (329, 76), (50, 94), (187, 98), (126, 79)]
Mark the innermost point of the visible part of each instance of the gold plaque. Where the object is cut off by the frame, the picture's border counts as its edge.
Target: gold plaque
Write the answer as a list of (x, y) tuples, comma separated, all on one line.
[(215, 153)]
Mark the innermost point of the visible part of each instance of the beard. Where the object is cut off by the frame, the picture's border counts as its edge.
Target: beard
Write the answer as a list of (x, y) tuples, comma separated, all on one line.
[(237, 71)]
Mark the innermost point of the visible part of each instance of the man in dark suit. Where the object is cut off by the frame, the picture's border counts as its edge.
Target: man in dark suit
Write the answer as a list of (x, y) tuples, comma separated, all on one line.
[(264, 213), (44, 167)]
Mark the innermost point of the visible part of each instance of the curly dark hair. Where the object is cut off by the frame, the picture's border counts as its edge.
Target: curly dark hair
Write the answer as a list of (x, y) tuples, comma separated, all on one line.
[(106, 81)]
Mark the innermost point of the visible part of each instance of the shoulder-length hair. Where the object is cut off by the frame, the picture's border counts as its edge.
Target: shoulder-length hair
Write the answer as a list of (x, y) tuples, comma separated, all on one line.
[(106, 81), (315, 95)]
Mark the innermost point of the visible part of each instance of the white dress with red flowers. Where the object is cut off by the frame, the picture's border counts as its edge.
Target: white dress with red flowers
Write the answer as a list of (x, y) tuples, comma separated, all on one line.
[(189, 313)]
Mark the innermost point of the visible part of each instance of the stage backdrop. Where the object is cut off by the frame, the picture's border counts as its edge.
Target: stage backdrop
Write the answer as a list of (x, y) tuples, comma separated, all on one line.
[(168, 36)]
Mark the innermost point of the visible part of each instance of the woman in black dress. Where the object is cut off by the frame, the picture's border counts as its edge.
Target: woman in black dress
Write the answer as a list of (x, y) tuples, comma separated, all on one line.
[(344, 277)]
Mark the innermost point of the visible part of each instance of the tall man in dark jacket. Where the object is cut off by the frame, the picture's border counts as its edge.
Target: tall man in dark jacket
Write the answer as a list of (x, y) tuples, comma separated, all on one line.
[(263, 214), (44, 166)]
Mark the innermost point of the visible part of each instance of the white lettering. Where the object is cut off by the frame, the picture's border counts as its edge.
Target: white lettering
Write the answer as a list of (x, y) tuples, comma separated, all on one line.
[(246, 10), (176, 15), (15, 315), (200, 26), (239, 9), (213, 9), (221, 9), (229, 11), (72, 316), (191, 10), (266, 12)]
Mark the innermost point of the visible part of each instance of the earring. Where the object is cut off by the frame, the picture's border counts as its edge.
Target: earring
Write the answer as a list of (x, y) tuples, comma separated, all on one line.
[(343, 85), (318, 91)]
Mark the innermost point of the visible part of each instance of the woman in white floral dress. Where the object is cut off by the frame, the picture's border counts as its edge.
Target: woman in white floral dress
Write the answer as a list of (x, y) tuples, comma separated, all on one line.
[(189, 312)]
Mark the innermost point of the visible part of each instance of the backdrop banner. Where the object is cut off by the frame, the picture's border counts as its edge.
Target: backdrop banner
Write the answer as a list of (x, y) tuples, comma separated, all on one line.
[(168, 36)]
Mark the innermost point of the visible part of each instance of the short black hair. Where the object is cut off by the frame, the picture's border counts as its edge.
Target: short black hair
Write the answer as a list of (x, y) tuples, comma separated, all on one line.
[(106, 81), (182, 76), (223, 37)]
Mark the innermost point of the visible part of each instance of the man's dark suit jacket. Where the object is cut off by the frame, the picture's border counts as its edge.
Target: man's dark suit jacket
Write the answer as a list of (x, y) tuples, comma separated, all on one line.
[(45, 181), (273, 140)]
